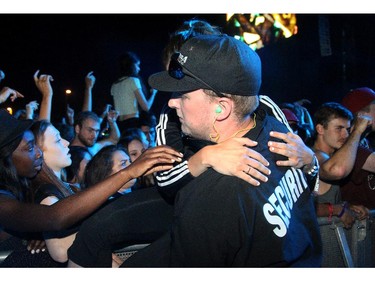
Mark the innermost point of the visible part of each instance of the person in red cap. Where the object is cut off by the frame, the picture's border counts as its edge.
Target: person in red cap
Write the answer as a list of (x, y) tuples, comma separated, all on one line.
[(362, 101)]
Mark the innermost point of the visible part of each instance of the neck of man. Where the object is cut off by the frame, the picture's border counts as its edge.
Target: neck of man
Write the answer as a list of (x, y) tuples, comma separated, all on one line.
[(324, 147), (232, 128), (77, 142)]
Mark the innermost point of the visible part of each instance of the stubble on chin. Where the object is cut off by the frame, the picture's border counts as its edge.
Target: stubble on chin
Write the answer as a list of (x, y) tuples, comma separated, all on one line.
[(86, 143)]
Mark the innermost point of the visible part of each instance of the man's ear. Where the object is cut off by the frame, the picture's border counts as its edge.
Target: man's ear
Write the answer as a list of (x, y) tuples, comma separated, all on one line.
[(77, 129), (226, 107), (319, 129)]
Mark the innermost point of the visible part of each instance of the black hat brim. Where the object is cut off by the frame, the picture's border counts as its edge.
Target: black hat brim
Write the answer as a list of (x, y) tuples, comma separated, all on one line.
[(13, 128), (162, 81)]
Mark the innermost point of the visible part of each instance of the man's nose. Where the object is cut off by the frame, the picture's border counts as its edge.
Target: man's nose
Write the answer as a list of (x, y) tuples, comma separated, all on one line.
[(173, 102)]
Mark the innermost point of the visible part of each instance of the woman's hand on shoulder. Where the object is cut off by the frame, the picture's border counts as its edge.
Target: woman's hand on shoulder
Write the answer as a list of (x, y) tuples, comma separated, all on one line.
[(292, 147), (155, 159), (234, 157)]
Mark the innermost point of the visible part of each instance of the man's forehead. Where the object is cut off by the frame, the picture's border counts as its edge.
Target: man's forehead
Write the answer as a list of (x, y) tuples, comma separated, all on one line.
[(177, 95), (190, 93), (91, 123), (339, 121)]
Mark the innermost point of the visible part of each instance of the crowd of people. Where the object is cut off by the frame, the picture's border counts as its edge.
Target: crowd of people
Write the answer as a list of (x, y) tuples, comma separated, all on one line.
[(225, 176)]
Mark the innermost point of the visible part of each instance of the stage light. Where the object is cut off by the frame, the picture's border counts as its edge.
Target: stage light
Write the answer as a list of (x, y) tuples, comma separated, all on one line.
[(259, 30), (250, 38)]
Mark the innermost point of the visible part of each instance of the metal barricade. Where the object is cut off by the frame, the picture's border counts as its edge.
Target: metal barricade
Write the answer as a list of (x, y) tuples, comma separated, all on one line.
[(353, 247)]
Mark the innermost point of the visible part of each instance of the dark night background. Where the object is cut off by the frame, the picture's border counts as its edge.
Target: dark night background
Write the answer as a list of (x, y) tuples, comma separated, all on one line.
[(68, 46)]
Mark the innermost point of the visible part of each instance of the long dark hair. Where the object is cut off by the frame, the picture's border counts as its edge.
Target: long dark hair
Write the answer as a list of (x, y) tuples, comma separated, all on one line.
[(100, 166), (128, 136), (127, 63), (77, 153), (9, 179)]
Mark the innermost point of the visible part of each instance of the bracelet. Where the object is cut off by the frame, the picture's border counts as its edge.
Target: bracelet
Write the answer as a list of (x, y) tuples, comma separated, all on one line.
[(312, 169), (330, 210), (344, 206)]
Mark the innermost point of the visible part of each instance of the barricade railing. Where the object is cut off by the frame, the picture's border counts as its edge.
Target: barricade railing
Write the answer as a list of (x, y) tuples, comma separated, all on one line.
[(342, 247), (353, 247)]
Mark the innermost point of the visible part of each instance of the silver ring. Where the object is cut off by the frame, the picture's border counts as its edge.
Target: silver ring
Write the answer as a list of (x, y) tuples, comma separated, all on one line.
[(248, 171)]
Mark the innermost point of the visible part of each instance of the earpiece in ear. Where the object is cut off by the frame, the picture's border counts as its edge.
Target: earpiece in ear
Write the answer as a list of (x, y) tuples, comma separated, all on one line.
[(218, 109)]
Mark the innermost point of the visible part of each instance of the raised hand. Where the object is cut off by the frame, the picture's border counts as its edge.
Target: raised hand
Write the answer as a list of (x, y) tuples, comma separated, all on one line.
[(90, 80), (70, 115), (112, 115), (31, 107), (43, 83), (361, 122), (107, 108), (7, 92)]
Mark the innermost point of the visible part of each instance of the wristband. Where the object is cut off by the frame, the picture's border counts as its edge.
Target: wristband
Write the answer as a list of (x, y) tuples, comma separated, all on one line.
[(344, 206), (330, 210)]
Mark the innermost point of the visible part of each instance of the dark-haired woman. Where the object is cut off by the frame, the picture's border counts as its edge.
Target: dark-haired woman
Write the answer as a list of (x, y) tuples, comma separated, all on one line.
[(128, 92)]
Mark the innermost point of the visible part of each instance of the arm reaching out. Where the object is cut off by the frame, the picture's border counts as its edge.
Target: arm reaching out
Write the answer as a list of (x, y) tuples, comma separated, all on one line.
[(7, 92), (27, 217)]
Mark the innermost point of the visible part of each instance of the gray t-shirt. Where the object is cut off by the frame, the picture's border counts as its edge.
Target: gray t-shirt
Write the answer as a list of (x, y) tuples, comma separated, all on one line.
[(332, 196)]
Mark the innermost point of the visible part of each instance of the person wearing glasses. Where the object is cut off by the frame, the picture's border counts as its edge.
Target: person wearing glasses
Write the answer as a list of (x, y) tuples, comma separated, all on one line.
[(221, 220), (87, 129)]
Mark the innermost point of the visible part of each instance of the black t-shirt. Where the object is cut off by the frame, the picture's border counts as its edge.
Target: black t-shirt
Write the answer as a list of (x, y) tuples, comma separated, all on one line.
[(47, 190)]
